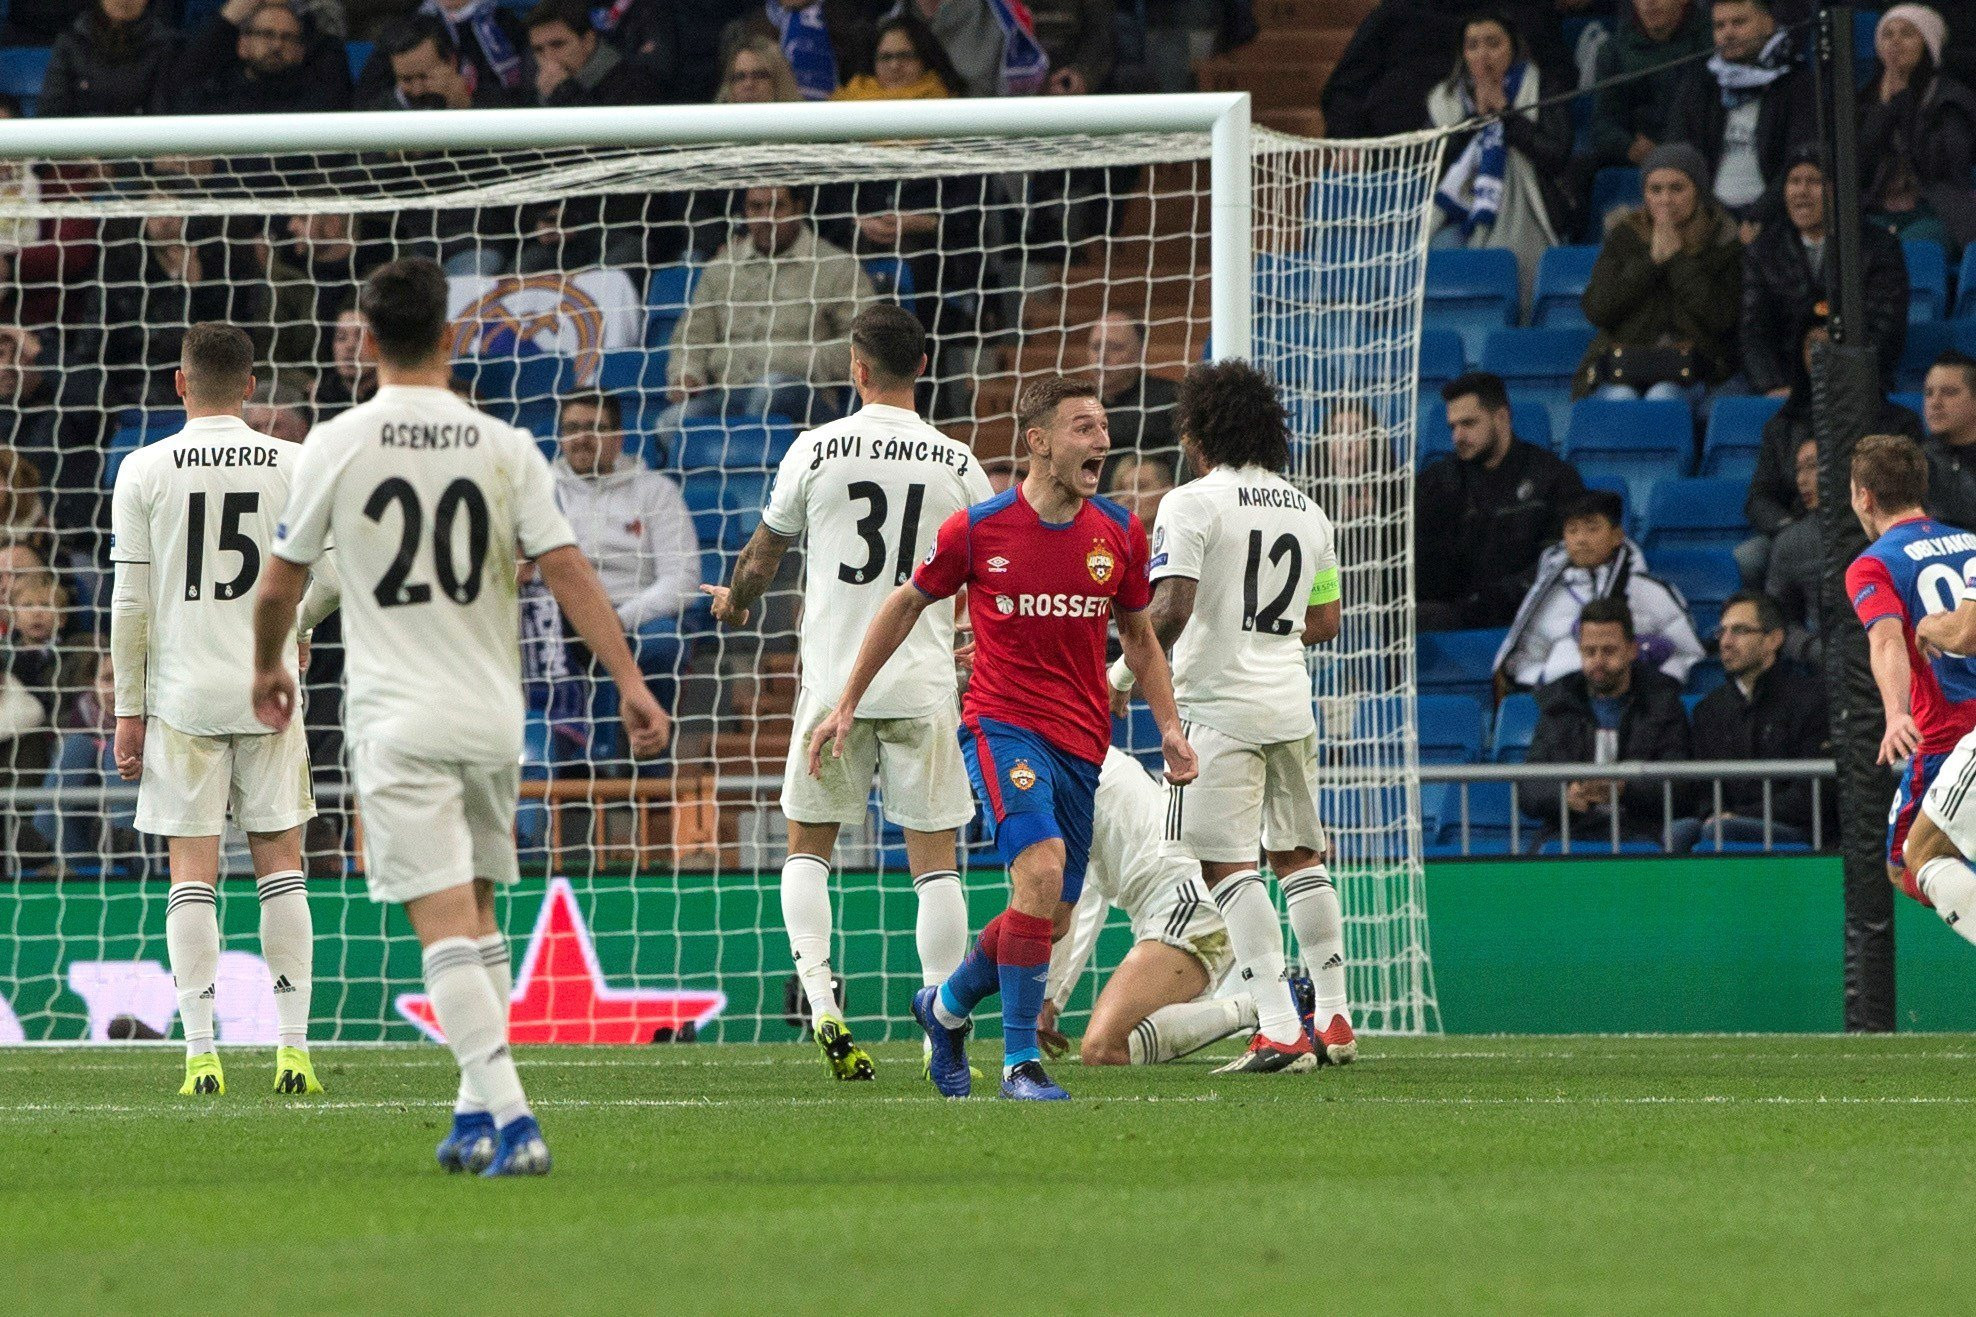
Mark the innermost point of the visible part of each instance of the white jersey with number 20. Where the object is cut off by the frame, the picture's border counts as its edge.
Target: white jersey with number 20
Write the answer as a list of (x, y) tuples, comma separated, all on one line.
[(1262, 552), (428, 502)]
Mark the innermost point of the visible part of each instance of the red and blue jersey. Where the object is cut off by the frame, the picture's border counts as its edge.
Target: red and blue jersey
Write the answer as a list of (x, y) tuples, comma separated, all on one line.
[(1915, 569), (1040, 597)]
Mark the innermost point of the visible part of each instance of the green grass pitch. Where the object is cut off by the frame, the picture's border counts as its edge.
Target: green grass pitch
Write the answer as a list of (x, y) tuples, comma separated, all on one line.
[(1589, 1174)]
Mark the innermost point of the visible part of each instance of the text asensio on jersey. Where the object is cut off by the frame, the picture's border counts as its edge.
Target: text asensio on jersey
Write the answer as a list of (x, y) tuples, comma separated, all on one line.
[(406, 434)]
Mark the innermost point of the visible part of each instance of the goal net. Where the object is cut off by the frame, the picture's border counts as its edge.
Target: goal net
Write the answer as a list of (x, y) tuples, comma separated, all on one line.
[(686, 298)]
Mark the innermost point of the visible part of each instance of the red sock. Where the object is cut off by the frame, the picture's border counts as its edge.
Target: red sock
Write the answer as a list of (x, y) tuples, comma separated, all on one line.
[(1025, 939), (990, 940)]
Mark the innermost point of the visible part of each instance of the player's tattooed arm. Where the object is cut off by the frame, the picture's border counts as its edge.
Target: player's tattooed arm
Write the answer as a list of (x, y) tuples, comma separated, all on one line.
[(1172, 607), (1147, 659), (754, 572)]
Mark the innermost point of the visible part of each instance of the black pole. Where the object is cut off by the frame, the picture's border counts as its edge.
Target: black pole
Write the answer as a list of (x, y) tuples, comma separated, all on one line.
[(1846, 401)]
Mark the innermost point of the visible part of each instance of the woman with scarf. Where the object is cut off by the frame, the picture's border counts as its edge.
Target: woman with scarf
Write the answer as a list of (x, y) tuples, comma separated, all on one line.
[(1917, 134), (1505, 185), (1666, 291), (114, 60), (907, 65)]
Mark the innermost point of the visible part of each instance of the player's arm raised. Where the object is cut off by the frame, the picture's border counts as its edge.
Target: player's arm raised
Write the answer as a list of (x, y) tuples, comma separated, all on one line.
[(754, 572), (1887, 651), (573, 581), (889, 628)]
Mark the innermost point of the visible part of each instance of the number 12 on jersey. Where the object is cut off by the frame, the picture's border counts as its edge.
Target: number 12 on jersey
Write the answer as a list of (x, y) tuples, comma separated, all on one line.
[(1270, 619)]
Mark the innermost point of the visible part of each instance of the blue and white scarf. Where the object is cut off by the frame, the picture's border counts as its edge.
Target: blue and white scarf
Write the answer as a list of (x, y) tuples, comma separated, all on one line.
[(1025, 65), (806, 45), (1741, 83), (480, 17), (1472, 193)]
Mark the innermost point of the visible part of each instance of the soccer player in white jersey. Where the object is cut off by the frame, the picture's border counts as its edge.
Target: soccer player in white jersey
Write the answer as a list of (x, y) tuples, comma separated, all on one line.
[(870, 491), (190, 523), (428, 503), (1245, 576), (1942, 841), (1158, 1005)]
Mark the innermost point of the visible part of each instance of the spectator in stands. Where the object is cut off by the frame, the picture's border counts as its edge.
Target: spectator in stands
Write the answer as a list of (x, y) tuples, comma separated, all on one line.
[(314, 274), (352, 376), (1746, 108), (757, 73), (24, 516), (418, 66), (1402, 49), (1617, 709), (163, 272), (85, 761), (825, 42), (1504, 186), (1138, 404), (907, 64), (1140, 484), (1595, 561), (278, 410), (1484, 514), (1773, 502), (1664, 292), (116, 59), (1948, 395), (1770, 707), (60, 438), (1785, 273), (262, 57), (768, 329), (484, 42), (1077, 35), (992, 43), (1917, 134), (632, 523), (1797, 565), (1630, 119), (574, 65)]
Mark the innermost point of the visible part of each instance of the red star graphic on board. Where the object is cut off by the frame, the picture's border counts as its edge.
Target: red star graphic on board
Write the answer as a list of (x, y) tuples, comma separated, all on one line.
[(561, 995)]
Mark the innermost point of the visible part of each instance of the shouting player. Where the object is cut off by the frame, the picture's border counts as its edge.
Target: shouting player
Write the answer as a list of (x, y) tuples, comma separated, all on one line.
[(1913, 568), (1245, 578), (190, 523), (428, 502), (1046, 564), (869, 490)]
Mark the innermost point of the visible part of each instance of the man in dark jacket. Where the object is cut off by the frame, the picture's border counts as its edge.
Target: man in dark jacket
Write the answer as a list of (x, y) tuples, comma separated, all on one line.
[(1949, 407), (114, 61), (1773, 502), (1746, 108), (1613, 709), (1630, 119), (1484, 514), (1404, 47), (1769, 708), (261, 57), (574, 65), (1784, 279), (487, 42)]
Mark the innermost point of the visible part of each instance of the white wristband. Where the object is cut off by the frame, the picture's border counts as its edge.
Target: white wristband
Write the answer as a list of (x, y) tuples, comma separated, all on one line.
[(1120, 676)]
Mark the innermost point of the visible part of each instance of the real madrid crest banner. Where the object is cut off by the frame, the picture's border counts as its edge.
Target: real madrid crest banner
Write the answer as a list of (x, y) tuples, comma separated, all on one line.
[(581, 316)]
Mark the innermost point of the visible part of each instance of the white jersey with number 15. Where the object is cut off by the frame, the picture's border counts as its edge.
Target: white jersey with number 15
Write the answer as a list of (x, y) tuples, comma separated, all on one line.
[(1262, 552), (428, 502)]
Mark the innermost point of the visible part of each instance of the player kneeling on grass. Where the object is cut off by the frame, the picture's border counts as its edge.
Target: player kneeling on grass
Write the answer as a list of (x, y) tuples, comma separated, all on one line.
[(191, 522), (1245, 577), (428, 503), (1158, 1005)]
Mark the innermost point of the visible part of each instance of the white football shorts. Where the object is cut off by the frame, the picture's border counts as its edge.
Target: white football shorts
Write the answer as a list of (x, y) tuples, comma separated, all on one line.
[(1244, 794), (1185, 917), (190, 782), (431, 824), (1948, 803), (922, 782)]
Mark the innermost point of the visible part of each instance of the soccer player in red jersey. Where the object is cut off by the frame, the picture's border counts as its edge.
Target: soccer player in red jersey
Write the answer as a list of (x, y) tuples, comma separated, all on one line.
[(1047, 565)]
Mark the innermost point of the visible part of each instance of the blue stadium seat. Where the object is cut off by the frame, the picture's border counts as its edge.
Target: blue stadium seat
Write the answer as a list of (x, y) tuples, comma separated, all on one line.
[(1450, 729), (716, 445), (1705, 577), (520, 390), (1704, 677), (1598, 841), (633, 371), (1441, 357), (1965, 285), (1530, 420), (1927, 279), (358, 53), (1538, 364), (22, 69), (137, 426), (1612, 189), (666, 298), (1471, 291), (1484, 812), (1516, 724), (1561, 278), (1459, 662), (1735, 435), (726, 506), (1703, 513), (1645, 441), (1139, 736), (1927, 340)]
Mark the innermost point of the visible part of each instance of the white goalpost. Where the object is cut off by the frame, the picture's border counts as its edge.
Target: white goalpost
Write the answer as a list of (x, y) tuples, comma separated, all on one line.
[(590, 252)]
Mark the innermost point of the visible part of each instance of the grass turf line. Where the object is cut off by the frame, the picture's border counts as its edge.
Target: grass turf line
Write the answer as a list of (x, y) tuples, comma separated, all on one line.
[(1477, 1174)]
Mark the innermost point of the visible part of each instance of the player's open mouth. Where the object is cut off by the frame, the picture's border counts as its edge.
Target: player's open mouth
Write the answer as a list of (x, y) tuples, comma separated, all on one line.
[(1094, 466)]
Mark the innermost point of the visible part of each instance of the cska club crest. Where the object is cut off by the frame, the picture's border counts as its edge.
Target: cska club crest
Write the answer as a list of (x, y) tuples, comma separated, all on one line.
[(1100, 562), (1022, 775)]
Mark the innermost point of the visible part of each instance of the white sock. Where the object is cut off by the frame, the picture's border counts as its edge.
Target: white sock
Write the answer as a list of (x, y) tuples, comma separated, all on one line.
[(941, 930), (1173, 1031), (1256, 936), (192, 937), (1951, 885), (475, 1023), (288, 944), (806, 915), (1319, 922), (500, 970)]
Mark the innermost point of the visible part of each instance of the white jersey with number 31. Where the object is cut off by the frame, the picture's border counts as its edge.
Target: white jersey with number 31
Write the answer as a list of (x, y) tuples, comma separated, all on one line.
[(427, 501), (871, 490), (1262, 552)]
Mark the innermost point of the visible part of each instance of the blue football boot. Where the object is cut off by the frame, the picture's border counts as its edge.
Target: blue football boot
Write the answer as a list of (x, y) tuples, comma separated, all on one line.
[(1029, 1082), (947, 1064), (469, 1146), (521, 1150)]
